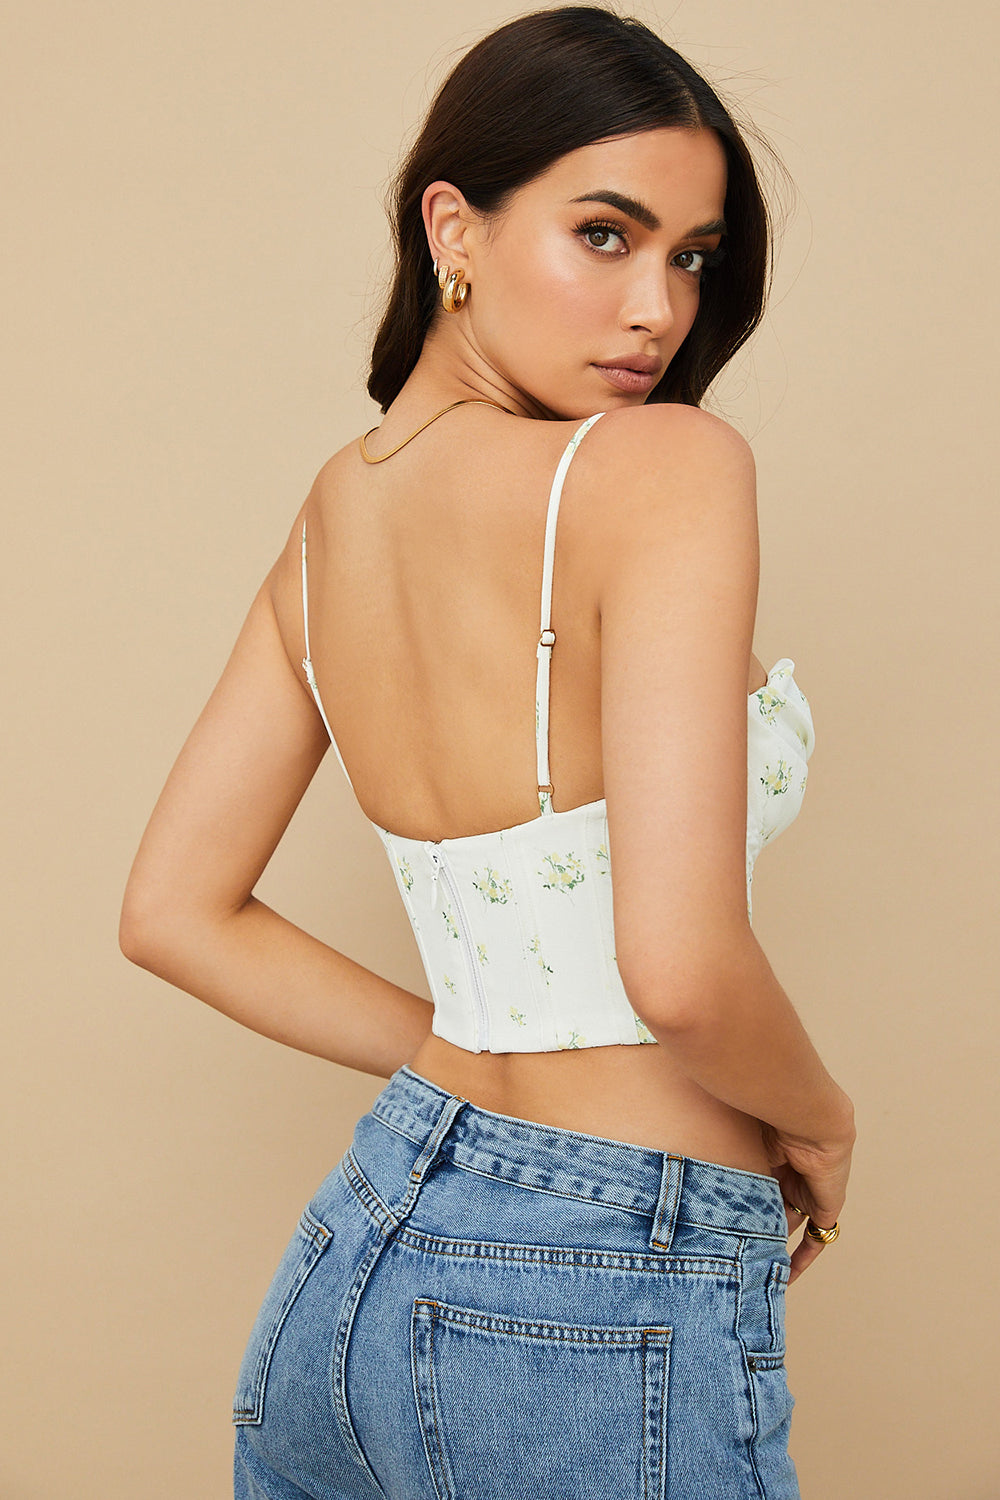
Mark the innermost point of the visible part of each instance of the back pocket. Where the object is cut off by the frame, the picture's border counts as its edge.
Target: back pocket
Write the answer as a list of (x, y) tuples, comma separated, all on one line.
[(508, 1406), (303, 1251)]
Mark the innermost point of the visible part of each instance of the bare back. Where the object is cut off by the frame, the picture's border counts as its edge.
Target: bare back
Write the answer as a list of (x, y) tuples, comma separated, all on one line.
[(424, 589)]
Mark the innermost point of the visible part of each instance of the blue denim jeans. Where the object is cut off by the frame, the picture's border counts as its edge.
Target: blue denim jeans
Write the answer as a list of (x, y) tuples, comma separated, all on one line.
[(477, 1307)]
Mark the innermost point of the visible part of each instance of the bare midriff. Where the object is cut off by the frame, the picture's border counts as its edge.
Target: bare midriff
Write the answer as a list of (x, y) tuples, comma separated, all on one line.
[(634, 1094)]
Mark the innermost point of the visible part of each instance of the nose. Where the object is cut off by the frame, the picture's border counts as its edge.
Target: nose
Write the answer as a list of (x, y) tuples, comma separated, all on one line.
[(647, 305)]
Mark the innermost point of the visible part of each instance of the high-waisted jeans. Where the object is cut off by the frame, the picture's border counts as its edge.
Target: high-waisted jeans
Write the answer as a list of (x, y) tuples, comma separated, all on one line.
[(478, 1307)]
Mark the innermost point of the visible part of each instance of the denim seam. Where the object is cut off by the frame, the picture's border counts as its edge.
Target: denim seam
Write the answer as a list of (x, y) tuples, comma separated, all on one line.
[(316, 1237), (645, 1416), (740, 1231), (366, 1194), (312, 1229), (617, 1260), (349, 1307), (606, 1202), (559, 1132), (750, 1364), (383, 1119), (387, 1220), (551, 1332), (432, 1384), (659, 1436), (775, 1287), (534, 1187)]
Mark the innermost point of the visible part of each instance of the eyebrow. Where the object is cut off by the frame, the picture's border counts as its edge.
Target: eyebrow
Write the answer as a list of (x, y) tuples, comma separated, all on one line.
[(640, 212)]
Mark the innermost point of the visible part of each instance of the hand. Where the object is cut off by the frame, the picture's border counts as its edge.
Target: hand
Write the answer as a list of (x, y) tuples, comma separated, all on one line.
[(813, 1178)]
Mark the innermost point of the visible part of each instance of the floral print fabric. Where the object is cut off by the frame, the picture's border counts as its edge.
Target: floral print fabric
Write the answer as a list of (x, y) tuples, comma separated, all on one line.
[(515, 927)]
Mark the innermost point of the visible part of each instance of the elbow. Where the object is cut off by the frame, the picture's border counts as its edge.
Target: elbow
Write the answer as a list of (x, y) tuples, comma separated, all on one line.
[(681, 991), (161, 928), (147, 929), (134, 937), (666, 1009)]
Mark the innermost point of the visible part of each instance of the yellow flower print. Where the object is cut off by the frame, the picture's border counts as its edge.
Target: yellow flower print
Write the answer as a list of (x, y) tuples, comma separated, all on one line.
[(518, 1016), (770, 702), (567, 871), (576, 1039), (450, 983), (642, 1030), (776, 780), (604, 859), (406, 873), (490, 886), (449, 922), (535, 947), (481, 954)]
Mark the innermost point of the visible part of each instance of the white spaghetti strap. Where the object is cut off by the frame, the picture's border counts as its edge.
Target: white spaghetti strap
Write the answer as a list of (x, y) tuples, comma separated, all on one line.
[(307, 660), (547, 636)]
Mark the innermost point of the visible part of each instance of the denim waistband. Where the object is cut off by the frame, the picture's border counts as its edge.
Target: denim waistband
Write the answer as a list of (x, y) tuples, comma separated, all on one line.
[(661, 1184)]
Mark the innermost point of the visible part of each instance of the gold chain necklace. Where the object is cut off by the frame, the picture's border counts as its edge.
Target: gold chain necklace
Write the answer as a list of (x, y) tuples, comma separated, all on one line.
[(466, 401)]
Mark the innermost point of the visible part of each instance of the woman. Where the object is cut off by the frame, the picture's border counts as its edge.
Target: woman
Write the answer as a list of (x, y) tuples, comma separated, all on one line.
[(553, 1260)]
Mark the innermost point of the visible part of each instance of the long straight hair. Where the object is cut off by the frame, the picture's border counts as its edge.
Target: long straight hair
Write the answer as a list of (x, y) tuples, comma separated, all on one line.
[(540, 86)]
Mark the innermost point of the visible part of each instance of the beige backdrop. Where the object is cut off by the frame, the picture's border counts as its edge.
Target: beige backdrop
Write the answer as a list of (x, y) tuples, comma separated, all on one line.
[(193, 258)]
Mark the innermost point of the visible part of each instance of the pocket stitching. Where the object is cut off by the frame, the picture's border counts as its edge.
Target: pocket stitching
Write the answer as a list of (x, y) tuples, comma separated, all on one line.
[(316, 1237), (777, 1279), (650, 1341)]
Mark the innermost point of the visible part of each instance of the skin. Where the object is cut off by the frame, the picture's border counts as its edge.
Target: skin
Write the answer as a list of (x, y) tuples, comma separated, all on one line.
[(653, 604), (549, 301)]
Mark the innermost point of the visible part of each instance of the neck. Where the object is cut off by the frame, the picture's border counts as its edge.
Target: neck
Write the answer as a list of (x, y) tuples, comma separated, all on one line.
[(450, 369)]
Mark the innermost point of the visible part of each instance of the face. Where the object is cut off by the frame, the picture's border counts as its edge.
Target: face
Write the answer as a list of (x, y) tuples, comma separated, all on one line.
[(597, 261)]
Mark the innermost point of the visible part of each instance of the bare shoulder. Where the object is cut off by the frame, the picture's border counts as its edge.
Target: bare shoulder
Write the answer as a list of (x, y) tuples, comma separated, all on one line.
[(663, 476), (662, 451)]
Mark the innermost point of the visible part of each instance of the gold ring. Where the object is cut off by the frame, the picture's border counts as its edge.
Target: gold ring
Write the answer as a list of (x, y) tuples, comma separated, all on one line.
[(825, 1236)]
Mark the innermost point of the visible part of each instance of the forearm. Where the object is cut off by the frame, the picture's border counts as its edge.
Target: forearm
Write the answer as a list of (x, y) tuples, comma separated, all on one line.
[(264, 972), (745, 1044)]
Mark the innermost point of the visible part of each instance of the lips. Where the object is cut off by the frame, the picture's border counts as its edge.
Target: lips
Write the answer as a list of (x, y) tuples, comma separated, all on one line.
[(642, 364), (626, 375)]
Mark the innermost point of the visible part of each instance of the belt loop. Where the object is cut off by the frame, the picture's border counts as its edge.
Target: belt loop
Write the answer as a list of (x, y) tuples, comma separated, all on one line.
[(668, 1202), (425, 1161)]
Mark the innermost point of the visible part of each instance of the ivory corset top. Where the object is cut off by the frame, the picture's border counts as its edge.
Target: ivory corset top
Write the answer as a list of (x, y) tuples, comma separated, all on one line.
[(515, 927)]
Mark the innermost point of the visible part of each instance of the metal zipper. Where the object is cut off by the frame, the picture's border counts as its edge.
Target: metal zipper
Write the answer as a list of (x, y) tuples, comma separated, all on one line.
[(471, 963)]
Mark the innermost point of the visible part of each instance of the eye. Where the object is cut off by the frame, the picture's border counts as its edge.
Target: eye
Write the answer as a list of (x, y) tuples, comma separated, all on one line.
[(705, 260), (689, 255), (597, 233)]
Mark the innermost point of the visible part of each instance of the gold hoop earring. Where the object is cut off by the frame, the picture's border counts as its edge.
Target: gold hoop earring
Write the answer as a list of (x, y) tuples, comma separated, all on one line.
[(455, 287), (455, 292)]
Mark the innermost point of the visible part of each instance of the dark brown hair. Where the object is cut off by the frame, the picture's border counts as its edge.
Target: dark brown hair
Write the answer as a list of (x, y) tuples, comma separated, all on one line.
[(539, 87)]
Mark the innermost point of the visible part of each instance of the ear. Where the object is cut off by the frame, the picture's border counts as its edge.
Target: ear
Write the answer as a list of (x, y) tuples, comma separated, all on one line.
[(447, 220)]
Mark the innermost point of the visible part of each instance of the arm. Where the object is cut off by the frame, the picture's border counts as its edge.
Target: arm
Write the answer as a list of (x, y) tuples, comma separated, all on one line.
[(678, 597), (189, 914)]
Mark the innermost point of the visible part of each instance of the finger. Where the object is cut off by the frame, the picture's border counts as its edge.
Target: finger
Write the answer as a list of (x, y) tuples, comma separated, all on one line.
[(796, 1217), (803, 1256)]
